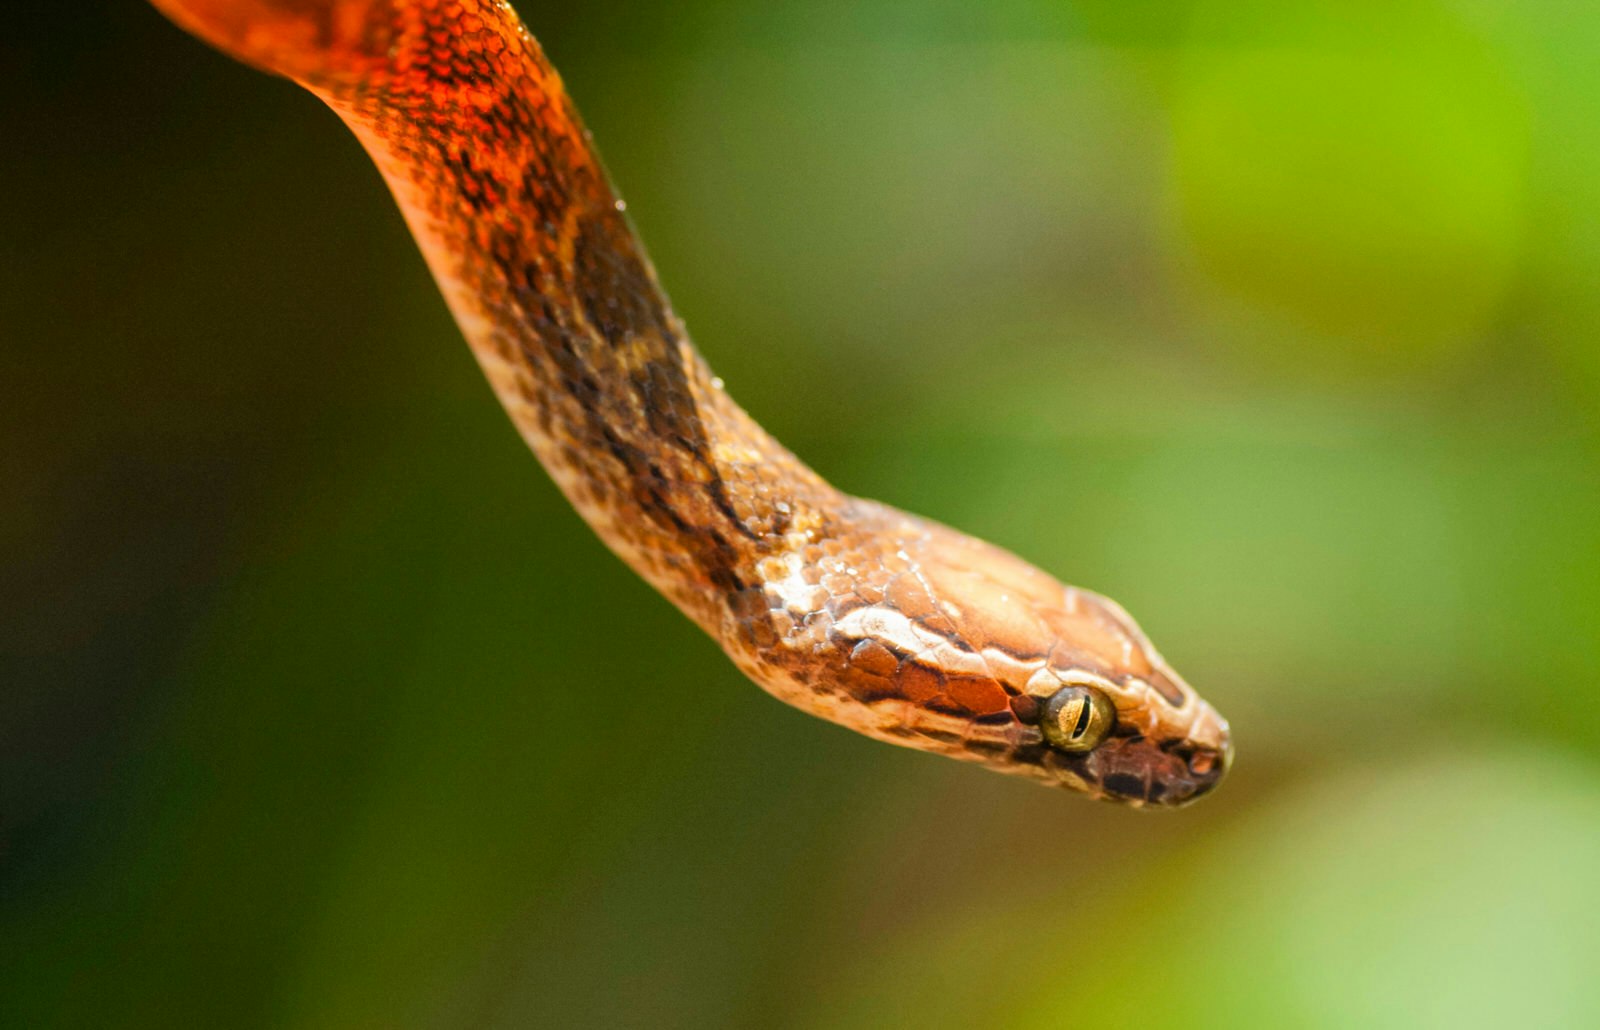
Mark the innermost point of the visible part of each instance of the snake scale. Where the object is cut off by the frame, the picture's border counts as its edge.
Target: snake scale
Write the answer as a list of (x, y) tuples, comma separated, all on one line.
[(892, 625)]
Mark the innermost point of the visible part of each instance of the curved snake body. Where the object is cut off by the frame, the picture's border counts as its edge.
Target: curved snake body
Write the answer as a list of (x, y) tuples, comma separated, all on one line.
[(887, 623)]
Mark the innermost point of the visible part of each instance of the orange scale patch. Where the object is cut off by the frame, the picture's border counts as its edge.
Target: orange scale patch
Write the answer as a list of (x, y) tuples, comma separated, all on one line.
[(874, 659), (978, 695), (918, 683), (909, 597)]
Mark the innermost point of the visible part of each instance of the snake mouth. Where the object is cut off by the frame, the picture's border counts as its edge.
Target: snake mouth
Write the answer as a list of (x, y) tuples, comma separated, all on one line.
[(1142, 773)]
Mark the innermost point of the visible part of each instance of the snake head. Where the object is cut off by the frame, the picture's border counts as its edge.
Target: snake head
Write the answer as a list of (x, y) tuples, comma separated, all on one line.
[(1122, 724), (959, 647)]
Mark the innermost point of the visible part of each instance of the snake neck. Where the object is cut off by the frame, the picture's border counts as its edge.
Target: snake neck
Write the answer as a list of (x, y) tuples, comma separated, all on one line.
[(501, 186), (499, 181)]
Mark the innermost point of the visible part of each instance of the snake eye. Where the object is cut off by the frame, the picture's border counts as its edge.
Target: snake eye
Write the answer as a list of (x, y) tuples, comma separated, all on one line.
[(1077, 718)]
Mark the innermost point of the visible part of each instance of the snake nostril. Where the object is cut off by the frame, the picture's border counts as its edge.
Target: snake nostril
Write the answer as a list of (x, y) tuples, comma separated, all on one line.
[(1207, 767), (1210, 764)]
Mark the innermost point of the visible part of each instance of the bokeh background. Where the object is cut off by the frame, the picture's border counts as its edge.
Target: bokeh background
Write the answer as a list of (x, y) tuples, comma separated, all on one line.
[(1275, 319)]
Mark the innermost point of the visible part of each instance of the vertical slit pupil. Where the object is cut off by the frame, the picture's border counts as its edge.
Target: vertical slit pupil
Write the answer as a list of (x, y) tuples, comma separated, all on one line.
[(1084, 712)]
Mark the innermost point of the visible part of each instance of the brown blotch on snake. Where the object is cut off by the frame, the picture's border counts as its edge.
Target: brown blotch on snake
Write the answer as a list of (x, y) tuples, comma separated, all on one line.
[(895, 626)]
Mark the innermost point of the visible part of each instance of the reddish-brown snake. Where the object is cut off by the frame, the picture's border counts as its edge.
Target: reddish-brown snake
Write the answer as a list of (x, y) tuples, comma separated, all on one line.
[(894, 626)]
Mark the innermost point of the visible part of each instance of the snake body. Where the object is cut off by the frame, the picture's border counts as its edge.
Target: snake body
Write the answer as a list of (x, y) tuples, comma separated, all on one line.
[(887, 623)]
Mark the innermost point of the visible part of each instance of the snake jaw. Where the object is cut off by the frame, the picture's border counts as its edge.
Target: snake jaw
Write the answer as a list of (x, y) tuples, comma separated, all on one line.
[(1169, 767), (1142, 773)]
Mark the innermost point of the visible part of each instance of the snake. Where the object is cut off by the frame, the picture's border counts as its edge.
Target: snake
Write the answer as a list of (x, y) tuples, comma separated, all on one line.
[(892, 625)]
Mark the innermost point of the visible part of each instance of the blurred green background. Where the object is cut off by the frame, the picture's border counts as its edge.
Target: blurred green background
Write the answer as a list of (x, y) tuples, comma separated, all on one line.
[(1275, 320)]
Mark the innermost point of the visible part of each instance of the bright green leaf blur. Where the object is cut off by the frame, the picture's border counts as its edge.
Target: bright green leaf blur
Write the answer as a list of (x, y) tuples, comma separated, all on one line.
[(1368, 184)]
